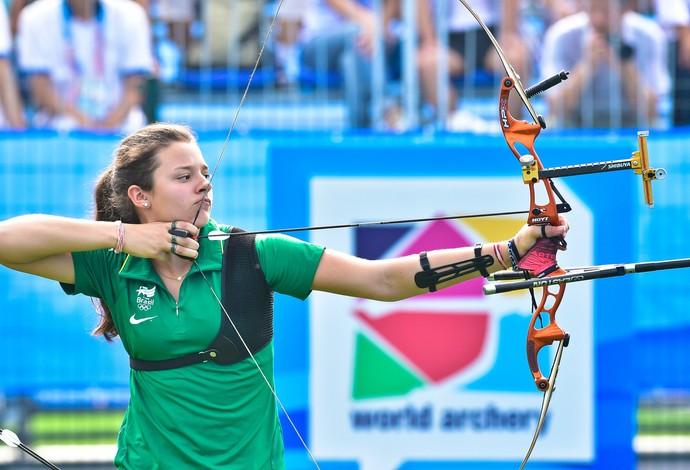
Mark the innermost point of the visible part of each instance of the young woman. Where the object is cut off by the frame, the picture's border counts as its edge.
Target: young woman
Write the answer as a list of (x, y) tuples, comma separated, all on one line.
[(198, 399)]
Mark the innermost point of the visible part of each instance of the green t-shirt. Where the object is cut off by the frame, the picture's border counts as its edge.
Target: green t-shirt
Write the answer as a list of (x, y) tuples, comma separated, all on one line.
[(205, 415)]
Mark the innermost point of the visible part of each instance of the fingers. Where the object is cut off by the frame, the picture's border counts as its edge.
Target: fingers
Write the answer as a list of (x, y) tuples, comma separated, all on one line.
[(550, 231), (183, 239), (529, 234), (184, 229), (559, 230)]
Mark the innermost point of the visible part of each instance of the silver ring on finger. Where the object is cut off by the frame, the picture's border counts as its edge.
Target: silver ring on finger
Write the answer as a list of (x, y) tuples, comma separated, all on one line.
[(174, 240), (173, 225), (173, 248)]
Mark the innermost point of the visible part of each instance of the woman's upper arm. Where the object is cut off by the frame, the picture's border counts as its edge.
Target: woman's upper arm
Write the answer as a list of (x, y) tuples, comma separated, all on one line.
[(344, 274), (58, 267)]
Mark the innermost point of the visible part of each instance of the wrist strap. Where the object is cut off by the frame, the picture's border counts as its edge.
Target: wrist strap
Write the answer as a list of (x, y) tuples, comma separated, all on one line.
[(514, 254), (424, 261), (478, 255)]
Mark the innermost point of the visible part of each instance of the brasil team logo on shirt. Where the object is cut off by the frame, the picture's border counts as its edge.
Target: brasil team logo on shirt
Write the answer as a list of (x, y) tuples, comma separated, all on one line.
[(145, 298)]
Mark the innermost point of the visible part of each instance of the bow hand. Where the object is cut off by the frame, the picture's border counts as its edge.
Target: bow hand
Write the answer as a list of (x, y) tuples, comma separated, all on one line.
[(540, 260)]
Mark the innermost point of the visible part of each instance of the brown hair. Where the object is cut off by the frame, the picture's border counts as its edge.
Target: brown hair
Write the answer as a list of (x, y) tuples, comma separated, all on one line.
[(134, 163)]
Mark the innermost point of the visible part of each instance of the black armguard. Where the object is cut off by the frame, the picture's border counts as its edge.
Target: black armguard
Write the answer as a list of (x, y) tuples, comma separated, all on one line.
[(430, 277)]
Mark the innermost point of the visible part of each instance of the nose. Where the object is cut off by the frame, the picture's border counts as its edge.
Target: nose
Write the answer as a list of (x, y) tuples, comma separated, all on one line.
[(206, 186)]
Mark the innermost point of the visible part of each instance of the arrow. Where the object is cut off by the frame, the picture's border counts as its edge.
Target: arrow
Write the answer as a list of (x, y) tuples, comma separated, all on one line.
[(220, 235), (11, 439)]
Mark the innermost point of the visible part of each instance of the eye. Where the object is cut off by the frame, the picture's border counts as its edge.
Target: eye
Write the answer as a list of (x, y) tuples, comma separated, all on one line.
[(184, 177)]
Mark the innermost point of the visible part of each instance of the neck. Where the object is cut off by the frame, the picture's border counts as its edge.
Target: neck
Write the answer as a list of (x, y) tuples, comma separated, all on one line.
[(83, 9), (172, 269)]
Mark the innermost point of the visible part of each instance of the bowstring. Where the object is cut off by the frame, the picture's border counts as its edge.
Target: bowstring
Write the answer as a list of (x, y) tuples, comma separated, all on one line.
[(196, 216), (239, 107), (263, 374)]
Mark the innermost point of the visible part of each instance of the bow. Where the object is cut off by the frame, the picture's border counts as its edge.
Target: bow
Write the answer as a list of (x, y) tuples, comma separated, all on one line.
[(541, 259)]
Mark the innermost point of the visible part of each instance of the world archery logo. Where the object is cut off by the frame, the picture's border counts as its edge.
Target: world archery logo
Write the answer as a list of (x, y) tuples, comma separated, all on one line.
[(443, 375), (451, 337)]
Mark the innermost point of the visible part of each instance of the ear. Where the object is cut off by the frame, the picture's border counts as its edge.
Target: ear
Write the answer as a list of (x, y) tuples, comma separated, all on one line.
[(138, 197)]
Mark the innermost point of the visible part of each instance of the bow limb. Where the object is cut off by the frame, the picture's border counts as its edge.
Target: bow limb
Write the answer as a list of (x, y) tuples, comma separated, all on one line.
[(507, 66), (547, 398)]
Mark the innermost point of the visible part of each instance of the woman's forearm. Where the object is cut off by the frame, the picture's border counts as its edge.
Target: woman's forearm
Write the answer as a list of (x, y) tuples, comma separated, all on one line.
[(30, 238)]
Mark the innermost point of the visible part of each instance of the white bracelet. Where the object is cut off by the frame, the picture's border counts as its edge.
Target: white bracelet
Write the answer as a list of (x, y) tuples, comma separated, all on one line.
[(120, 236)]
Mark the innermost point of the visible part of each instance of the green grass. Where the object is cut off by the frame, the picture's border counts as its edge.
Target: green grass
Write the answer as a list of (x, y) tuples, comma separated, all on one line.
[(101, 427), (668, 421), (97, 427)]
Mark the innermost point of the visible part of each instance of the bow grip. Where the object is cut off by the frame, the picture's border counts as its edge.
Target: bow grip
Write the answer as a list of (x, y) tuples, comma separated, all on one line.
[(540, 260)]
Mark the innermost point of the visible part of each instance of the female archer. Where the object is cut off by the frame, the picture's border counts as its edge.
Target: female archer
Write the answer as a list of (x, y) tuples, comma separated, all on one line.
[(194, 310)]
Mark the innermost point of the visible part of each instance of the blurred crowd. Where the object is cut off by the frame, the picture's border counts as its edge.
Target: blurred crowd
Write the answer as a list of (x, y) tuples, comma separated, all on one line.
[(101, 64)]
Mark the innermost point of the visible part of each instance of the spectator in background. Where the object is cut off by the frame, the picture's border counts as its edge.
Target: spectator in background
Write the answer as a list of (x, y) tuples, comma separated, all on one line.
[(16, 7), (287, 47), (231, 36), (338, 37), (177, 16), (618, 66), (674, 16), (559, 9), (470, 50), (11, 107), (86, 62)]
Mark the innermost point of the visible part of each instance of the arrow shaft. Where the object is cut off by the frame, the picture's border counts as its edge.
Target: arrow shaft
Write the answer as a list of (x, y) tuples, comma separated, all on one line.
[(367, 224), (37, 457), (11, 439)]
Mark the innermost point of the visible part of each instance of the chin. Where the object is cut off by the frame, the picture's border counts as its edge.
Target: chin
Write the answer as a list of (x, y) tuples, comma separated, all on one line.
[(203, 219)]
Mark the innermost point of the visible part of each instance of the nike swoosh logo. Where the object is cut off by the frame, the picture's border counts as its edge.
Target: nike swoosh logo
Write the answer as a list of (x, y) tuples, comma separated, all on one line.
[(136, 321)]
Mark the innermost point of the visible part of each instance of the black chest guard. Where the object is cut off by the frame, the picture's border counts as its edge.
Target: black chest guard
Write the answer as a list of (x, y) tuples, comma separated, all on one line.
[(248, 300)]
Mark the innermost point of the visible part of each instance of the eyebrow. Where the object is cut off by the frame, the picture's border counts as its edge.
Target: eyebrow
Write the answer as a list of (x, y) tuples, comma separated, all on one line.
[(190, 168)]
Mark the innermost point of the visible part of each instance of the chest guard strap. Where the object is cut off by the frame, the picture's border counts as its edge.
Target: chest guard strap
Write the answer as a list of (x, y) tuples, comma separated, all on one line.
[(246, 297)]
